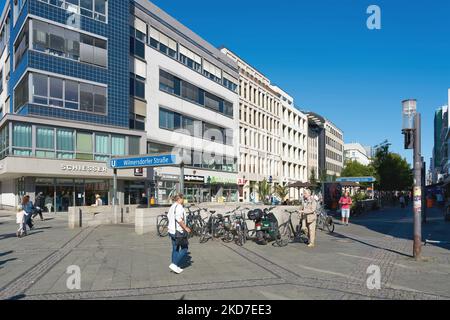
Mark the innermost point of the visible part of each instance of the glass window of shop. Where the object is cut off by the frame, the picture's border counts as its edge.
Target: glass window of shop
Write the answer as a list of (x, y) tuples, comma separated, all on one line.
[(60, 194), (166, 190)]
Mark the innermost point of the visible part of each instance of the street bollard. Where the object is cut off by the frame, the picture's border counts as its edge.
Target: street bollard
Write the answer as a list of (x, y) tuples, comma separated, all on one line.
[(121, 215), (81, 218)]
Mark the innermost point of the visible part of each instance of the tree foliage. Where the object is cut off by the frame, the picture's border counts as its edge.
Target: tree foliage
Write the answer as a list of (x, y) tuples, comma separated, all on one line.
[(356, 169), (393, 172), (282, 191), (264, 190)]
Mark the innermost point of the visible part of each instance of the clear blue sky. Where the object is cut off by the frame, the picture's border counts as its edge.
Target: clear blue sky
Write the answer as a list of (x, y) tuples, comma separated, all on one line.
[(323, 55)]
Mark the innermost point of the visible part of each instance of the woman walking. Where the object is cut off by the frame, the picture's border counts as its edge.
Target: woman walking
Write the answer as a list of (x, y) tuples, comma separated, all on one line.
[(20, 220), (28, 207), (178, 233), (346, 203)]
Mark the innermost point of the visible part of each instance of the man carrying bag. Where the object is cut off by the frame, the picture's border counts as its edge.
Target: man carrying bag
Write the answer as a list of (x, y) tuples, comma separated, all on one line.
[(310, 211), (178, 233)]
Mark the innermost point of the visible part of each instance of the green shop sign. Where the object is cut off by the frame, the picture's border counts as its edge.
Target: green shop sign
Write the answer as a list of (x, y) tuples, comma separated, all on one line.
[(219, 180)]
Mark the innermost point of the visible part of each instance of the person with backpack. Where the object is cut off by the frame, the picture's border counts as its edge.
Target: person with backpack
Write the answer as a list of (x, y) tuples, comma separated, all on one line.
[(178, 233)]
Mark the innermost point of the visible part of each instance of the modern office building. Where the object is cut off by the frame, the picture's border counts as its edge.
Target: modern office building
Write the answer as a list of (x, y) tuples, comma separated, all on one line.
[(82, 81), (273, 134), (330, 141), (356, 152)]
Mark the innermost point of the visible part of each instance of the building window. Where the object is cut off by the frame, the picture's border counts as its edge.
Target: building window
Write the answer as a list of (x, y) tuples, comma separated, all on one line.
[(45, 142), (212, 72), (68, 94), (21, 94), (102, 147), (171, 84), (137, 86), (84, 146), (21, 45), (65, 143), (69, 44), (163, 43), (190, 59), (22, 139), (94, 9), (134, 146), (4, 141), (118, 146)]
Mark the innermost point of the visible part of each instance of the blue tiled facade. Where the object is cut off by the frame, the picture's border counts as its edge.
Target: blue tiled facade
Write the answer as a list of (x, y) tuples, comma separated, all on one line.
[(116, 76)]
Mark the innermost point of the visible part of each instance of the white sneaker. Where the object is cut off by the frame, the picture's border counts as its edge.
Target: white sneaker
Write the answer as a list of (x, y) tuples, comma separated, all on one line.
[(174, 268), (179, 270)]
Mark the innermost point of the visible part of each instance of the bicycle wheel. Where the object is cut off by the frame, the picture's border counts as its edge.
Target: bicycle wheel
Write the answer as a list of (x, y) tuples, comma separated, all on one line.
[(241, 237), (163, 227), (284, 235), (330, 224), (227, 236), (204, 236)]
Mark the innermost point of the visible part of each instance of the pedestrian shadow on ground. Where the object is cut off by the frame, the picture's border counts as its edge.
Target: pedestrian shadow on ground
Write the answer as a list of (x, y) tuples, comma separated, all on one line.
[(2, 262), (341, 236), (18, 297), (6, 253), (13, 235)]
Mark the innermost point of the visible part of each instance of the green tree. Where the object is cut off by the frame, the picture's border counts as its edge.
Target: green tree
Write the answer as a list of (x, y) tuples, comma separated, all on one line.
[(264, 190), (282, 191), (356, 169), (393, 172)]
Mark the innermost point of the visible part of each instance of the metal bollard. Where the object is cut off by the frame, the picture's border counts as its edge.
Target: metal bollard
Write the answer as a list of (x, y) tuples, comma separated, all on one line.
[(121, 215), (81, 218)]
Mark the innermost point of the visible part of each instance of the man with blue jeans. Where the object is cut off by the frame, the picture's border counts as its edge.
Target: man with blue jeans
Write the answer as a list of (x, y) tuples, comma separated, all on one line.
[(176, 218)]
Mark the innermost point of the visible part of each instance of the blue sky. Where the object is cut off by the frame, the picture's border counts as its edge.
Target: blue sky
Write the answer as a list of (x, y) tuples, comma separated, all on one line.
[(322, 53)]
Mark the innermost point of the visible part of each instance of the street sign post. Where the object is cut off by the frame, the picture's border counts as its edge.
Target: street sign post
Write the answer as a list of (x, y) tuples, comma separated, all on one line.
[(143, 162), (357, 179)]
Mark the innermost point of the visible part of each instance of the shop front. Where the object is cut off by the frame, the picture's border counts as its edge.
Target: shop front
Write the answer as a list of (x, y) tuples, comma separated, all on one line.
[(223, 189), (64, 183)]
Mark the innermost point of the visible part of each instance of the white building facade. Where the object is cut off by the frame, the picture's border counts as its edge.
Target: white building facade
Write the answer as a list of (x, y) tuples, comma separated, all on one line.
[(356, 152)]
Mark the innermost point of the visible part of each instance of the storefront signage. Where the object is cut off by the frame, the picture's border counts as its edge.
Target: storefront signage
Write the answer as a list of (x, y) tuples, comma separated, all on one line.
[(168, 177), (220, 180), (143, 162), (242, 182), (138, 172), (199, 179), (83, 168)]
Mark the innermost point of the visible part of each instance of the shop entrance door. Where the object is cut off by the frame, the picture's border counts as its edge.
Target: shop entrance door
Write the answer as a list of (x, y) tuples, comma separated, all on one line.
[(80, 196), (64, 195)]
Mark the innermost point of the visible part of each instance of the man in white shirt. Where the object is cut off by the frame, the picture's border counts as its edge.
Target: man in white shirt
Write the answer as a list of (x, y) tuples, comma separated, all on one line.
[(176, 218)]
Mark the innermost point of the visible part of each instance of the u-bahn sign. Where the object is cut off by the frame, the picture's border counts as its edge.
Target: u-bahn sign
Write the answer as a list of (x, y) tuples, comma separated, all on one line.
[(144, 162), (357, 179)]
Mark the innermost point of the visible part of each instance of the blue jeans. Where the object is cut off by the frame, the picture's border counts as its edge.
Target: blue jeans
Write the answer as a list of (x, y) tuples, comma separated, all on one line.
[(178, 252)]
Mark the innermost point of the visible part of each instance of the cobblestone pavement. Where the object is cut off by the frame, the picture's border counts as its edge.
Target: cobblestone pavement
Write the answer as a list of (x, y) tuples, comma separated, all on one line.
[(115, 263)]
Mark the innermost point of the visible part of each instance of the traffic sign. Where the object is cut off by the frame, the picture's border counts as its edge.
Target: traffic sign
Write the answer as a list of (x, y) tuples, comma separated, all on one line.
[(143, 162), (357, 179)]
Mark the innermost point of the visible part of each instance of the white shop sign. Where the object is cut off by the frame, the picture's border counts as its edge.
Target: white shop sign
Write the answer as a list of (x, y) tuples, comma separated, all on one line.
[(83, 168)]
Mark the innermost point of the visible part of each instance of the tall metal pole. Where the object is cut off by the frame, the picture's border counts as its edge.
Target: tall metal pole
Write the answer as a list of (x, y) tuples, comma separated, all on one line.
[(417, 249), (115, 196), (182, 177), (424, 200)]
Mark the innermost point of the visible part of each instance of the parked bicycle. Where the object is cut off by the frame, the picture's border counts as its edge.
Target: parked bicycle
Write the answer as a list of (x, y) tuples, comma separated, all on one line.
[(195, 221), (324, 221), (288, 233), (162, 225)]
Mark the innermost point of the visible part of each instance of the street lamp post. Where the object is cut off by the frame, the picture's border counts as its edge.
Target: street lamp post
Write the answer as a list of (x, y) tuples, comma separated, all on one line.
[(412, 132)]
